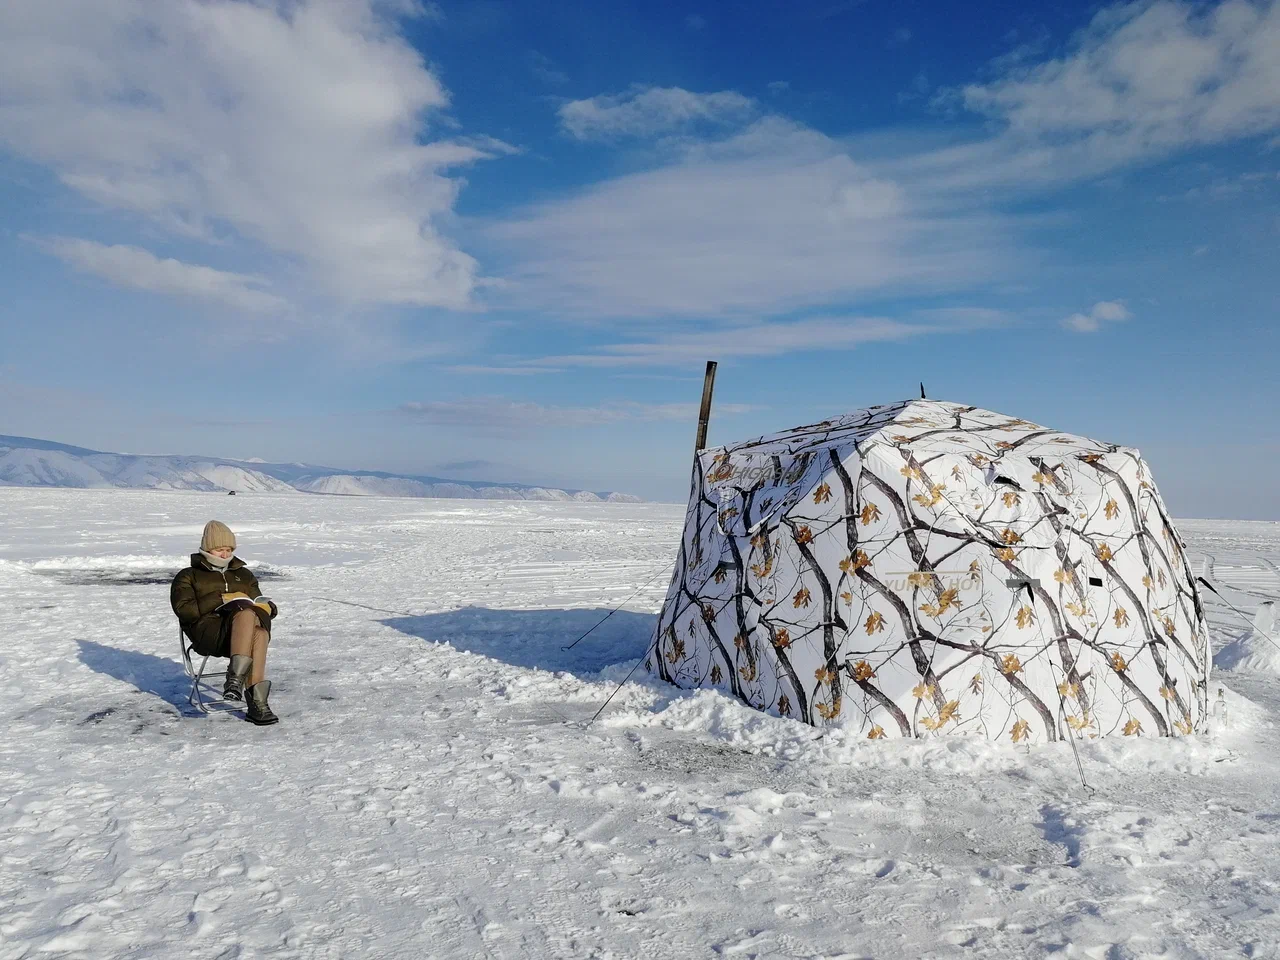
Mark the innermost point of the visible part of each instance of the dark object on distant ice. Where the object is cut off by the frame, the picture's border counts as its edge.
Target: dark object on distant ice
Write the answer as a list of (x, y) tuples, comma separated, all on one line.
[(231, 493)]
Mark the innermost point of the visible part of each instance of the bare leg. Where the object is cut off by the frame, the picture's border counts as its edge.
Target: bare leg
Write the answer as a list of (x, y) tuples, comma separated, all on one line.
[(260, 640), (243, 625)]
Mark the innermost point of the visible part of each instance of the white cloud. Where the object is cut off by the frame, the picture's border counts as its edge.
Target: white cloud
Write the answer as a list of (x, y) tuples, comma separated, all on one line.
[(773, 217), (1081, 323), (771, 339), (502, 413), (918, 90), (492, 370), (1228, 188), (140, 269), (1104, 311), (1142, 81), (649, 111), (546, 70), (295, 126)]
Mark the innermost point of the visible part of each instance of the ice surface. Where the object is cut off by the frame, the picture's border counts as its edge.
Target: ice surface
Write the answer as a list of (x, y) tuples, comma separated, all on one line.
[(431, 791)]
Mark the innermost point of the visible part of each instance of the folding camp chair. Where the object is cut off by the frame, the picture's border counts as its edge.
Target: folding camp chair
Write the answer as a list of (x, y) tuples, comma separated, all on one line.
[(204, 694)]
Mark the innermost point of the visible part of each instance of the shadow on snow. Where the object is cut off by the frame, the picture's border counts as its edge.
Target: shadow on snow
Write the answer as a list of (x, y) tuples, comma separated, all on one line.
[(534, 638), (159, 676)]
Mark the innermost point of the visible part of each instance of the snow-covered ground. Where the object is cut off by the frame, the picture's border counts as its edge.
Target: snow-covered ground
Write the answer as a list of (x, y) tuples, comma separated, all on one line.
[(432, 791)]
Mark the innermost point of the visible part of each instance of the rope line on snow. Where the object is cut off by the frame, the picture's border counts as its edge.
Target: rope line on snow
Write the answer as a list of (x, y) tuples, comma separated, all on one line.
[(653, 645), (365, 606), (665, 566)]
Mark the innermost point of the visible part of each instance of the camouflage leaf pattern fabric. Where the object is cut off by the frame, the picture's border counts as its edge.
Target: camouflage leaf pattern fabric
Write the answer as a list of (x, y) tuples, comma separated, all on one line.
[(926, 568)]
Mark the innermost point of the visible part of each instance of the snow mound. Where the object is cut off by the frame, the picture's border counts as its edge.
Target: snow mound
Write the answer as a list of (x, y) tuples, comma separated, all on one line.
[(1252, 652), (710, 715), (1257, 650), (119, 562), (711, 718)]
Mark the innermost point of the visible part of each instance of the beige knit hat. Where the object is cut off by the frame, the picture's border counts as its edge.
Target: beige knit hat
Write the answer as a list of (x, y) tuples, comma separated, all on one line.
[(217, 534)]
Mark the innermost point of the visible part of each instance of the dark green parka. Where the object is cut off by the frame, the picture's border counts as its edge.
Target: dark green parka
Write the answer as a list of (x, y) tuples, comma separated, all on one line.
[(197, 591)]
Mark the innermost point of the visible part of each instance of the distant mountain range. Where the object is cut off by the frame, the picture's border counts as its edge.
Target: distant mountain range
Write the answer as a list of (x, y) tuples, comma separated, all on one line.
[(26, 462)]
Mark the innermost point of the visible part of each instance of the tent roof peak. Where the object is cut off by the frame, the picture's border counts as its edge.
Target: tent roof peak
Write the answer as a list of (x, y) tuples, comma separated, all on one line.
[(916, 422)]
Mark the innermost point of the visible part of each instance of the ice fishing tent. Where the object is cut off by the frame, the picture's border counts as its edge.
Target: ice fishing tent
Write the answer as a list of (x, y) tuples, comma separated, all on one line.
[(925, 567)]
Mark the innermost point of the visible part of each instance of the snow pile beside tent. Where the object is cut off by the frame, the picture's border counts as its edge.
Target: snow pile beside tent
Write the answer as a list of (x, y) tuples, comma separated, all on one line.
[(1256, 650)]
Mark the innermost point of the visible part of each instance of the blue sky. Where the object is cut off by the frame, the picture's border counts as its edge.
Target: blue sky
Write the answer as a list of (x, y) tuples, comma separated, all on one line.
[(499, 240)]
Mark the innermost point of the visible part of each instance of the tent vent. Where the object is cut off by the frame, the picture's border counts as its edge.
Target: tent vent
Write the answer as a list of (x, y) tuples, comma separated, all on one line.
[(1095, 581)]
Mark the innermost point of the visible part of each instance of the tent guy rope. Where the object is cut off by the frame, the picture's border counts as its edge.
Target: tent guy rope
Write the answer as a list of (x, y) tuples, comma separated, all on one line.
[(664, 567), (1240, 613)]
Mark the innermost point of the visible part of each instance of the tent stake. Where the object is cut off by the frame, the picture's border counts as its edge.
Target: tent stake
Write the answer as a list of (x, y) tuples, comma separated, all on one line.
[(704, 415)]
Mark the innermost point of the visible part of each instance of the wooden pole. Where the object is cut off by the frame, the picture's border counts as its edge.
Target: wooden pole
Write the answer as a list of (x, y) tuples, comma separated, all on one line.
[(704, 415)]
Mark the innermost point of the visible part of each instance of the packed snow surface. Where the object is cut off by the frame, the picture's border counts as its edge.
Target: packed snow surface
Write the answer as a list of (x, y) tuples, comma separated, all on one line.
[(433, 789)]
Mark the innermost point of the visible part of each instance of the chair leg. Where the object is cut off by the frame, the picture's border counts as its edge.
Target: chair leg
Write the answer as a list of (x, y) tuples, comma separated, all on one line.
[(186, 653), (203, 699), (195, 698)]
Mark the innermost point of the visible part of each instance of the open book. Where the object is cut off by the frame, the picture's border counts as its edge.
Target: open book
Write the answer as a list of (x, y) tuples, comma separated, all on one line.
[(235, 602)]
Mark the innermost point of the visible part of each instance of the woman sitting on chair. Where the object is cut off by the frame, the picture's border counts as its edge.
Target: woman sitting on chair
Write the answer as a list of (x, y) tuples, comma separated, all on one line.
[(198, 593)]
